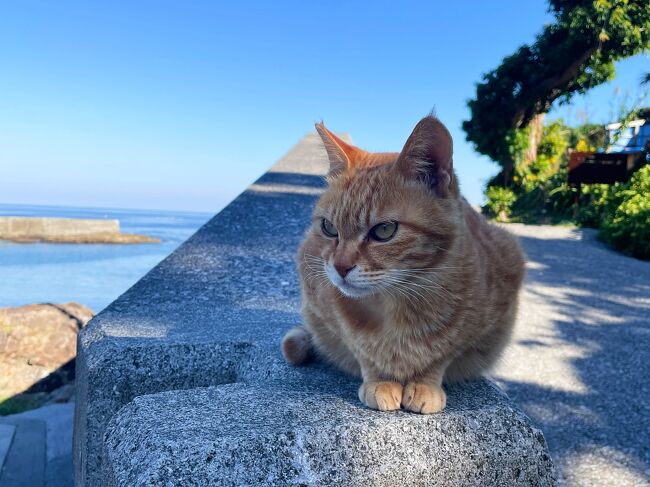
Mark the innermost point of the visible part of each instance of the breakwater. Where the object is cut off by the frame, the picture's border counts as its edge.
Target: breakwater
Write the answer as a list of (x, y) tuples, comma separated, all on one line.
[(66, 230)]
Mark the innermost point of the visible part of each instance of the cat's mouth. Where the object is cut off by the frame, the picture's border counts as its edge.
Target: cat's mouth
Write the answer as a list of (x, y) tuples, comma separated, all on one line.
[(347, 286), (352, 291)]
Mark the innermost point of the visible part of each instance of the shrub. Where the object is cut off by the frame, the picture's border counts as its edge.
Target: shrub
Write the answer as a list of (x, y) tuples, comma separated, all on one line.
[(560, 196), (627, 228), (596, 202), (549, 201), (499, 202)]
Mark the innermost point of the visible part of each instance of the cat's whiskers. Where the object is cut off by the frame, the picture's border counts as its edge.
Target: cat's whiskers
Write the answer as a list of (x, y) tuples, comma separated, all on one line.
[(414, 291), (411, 284), (437, 291), (315, 271), (374, 273), (403, 286), (313, 259), (406, 293), (431, 269), (318, 280), (408, 275), (428, 287), (394, 292), (370, 277), (402, 292)]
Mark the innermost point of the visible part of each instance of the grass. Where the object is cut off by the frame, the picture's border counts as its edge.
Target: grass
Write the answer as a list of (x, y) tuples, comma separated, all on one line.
[(20, 403), (5, 326)]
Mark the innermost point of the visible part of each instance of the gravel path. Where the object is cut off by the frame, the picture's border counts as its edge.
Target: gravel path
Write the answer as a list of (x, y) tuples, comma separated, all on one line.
[(579, 363)]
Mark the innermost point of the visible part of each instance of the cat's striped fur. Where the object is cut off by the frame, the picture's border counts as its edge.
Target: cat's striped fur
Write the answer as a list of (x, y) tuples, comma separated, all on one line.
[(435, 302)]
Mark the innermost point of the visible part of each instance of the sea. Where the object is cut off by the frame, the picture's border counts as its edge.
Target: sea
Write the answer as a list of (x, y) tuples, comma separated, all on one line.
[(90, 274)]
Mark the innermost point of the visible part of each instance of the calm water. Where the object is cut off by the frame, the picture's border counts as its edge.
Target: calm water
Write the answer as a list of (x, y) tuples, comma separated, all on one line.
[(91, 274)]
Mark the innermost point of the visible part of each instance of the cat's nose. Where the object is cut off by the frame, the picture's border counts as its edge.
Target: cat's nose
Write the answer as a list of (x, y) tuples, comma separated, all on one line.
[(343, 269)]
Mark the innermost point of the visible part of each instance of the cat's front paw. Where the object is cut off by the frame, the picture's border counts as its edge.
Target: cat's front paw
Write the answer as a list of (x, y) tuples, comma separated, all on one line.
[(385, 396), (423, 398)]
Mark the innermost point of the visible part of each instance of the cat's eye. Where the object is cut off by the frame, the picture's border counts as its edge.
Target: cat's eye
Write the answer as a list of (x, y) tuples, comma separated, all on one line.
[(328, 228), (383, 231)]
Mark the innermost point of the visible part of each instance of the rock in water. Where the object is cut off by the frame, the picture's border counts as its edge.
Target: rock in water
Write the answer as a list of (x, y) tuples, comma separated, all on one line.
[(38, 345), (23, 229)]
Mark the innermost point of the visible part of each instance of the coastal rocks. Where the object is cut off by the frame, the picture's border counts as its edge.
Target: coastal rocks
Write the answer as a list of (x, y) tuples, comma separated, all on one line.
[(94, 238), (67, 230), (38, 344)]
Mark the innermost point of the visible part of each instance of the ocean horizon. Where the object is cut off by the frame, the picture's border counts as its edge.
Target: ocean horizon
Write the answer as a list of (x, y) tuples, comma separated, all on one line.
[(90, 274)]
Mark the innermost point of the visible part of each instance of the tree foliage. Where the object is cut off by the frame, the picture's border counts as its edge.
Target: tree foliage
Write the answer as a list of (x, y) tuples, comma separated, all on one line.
[(571, 55), (499, 202)]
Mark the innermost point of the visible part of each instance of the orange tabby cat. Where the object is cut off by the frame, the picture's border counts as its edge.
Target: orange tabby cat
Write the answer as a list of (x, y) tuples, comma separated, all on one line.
[(402, 281)]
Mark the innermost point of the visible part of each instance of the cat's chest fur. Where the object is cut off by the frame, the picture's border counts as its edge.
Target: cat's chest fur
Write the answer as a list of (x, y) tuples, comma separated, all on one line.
[(391, 341)]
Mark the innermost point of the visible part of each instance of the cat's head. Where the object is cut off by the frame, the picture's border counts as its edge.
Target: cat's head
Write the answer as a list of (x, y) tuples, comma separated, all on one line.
[(385, 218)]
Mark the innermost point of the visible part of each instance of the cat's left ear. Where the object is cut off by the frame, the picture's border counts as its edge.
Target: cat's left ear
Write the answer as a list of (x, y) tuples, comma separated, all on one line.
[(427, 156), (341, 154)]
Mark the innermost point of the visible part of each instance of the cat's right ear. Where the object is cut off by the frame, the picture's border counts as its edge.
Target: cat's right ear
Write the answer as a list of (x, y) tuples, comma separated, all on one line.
[(341, 155)]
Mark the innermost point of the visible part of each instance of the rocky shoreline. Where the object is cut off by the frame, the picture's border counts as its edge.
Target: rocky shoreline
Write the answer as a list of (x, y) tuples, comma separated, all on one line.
[(38, 346)]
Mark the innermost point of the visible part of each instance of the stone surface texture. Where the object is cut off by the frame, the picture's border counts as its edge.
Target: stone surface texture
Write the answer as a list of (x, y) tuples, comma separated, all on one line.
[(180, 381), (240, 434)]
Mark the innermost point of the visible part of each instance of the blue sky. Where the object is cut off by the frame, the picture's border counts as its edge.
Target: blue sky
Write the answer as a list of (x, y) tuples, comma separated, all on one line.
[(179, 105)]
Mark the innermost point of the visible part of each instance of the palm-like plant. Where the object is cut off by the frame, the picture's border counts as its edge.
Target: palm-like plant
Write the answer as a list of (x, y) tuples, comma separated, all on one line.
[(645, 79)]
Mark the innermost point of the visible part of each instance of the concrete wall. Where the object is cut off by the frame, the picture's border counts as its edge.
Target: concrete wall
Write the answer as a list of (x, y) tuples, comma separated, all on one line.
[(180, 381), (27, 227)]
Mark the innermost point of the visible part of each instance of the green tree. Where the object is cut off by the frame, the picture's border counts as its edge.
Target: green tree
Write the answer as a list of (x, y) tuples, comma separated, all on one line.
[(572, 55)]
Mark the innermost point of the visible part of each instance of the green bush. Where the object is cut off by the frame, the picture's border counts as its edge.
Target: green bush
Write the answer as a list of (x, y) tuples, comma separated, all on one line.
[(549, 201), (620, 211), (559, 200), (596, 202), (627, 227), (20, 403), (537, 191), (499, 202)]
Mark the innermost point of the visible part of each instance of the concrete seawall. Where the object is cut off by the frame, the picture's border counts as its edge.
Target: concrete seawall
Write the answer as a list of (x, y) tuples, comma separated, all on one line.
[(180, 381), (27, 227), (66, 230)]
